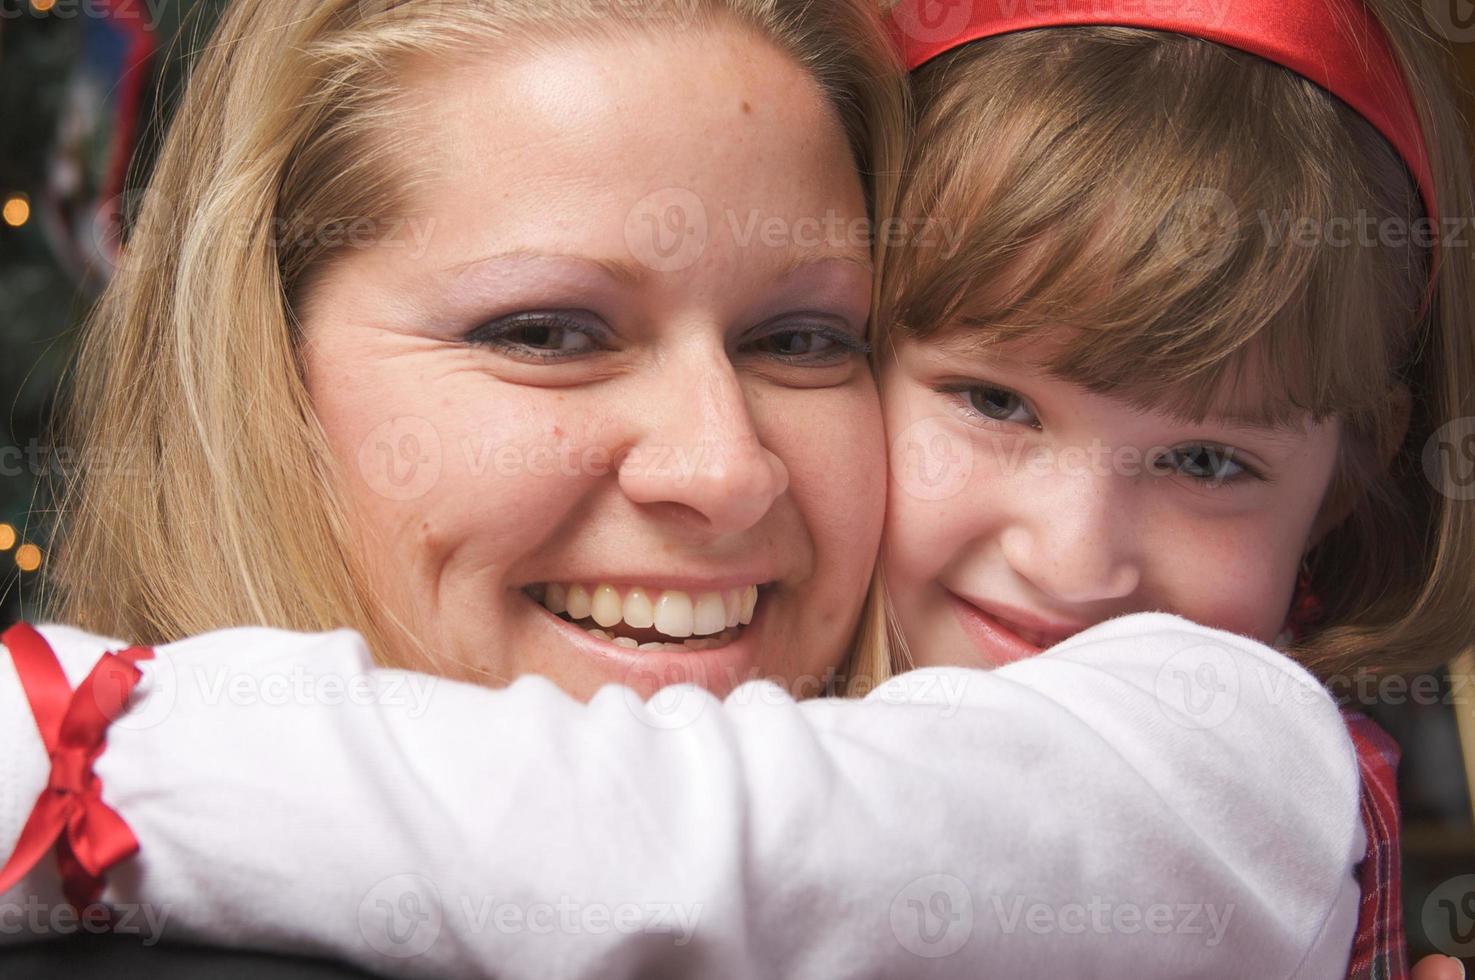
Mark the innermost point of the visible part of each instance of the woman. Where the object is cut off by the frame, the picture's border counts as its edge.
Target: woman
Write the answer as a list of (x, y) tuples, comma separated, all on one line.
[(403, 445)]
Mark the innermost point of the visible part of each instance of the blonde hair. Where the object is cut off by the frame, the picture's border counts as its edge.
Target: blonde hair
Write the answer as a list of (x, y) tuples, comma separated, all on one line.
[(190, 365), (1067, 161)]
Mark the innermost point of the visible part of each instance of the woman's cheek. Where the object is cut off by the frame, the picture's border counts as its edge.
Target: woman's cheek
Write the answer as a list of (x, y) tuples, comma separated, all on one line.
[(447, 489), (511, 479), (833, 447)]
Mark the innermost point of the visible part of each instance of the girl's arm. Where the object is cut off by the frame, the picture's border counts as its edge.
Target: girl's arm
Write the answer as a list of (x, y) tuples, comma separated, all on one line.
[(1149, 798)]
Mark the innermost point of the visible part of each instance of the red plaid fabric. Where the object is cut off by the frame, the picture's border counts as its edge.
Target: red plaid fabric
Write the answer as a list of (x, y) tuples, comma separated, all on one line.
[(1379, 951)]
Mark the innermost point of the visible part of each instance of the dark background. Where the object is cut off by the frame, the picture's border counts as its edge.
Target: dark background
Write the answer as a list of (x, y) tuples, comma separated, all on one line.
[(57, 55), (53, 55)]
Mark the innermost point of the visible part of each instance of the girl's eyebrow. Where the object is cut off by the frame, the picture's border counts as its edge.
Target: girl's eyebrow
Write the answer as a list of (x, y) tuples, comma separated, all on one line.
[(1240, 412), (1249, 411), (1279, 431), (965, 342), (1257, 423), (1283, 434)]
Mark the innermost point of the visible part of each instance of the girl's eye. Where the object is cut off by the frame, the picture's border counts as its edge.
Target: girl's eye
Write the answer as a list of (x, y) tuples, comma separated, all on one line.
[(809, 345), (539, 336), (999, 404), (1208, 464)]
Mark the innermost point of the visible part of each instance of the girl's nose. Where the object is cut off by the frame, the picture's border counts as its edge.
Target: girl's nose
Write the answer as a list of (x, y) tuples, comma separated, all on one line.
[(1071, 539)]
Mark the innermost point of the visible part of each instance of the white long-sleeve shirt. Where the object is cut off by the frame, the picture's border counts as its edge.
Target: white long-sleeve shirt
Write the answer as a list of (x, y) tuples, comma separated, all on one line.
[(1150, 798)]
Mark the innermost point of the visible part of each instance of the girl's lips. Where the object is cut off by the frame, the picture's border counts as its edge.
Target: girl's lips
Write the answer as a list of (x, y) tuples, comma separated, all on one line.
[(998, 644), (719, 670)]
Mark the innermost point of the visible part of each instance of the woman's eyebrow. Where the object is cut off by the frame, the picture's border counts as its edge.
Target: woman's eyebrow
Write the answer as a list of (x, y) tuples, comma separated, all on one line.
[(626, 271), (801, 261)]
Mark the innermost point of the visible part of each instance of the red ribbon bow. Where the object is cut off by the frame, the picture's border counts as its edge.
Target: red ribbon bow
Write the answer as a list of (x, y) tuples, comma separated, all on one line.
[(89, 835)]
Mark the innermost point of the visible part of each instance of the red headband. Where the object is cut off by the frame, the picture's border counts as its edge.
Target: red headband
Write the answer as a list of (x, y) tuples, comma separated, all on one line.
[(1335, 43)]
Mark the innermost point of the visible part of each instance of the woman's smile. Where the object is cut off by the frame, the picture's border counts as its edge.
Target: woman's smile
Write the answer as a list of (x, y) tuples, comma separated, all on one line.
[(650, 618), (713, 639)]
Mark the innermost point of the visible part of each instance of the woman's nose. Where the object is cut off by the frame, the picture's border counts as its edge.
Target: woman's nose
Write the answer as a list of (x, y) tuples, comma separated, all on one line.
[(1072, 539), (700, 450)]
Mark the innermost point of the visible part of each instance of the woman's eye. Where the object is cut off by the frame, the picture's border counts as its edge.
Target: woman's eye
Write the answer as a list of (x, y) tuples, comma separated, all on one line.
[(999, 404), (795, 343), (550, 337), (809, 344), (538, 336), (1208, 464)]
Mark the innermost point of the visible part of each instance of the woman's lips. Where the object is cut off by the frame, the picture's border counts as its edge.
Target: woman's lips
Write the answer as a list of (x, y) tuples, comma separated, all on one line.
[(718, 668), (1004, 635)]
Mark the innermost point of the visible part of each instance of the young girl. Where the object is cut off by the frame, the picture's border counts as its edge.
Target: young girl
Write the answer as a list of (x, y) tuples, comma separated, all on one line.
[(1185, 354), (1098, 809)]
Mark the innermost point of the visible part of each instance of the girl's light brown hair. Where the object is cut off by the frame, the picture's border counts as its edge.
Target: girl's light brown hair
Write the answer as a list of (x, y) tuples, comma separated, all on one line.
[(189, 367), (1206, 225)]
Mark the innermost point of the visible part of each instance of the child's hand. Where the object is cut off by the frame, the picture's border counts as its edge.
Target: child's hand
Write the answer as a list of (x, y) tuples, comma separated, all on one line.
[(1436, 967)]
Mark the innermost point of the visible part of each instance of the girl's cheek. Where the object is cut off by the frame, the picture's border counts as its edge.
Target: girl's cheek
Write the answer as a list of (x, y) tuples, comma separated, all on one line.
[(1231, 578), (903, 541), (939, 527)]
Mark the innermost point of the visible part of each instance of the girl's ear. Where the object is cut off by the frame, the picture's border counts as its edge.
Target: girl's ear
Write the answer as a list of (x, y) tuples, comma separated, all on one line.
[(1342, 495)]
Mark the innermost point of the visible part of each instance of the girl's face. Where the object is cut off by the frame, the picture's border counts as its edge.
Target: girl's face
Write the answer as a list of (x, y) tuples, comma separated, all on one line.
[(622, 378), (1024, 509)]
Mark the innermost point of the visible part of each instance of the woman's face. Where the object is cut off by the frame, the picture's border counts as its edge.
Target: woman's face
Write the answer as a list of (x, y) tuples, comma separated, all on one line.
[(621, 380), (1024, 509)]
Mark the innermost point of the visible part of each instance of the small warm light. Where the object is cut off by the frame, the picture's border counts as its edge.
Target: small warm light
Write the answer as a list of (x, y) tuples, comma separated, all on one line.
[(17, 210), (42, 6), (28, 557), (7, 537)]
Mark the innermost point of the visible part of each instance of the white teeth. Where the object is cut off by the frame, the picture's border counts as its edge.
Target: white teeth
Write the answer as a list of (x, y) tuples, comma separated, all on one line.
[(710, 615), (639, 613), (674, 614), (626, 642), (606, 607), (579, 603), (601, 634)]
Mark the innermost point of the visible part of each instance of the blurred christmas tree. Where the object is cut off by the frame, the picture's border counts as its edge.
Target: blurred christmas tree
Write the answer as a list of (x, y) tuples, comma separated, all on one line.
[(85, 90)]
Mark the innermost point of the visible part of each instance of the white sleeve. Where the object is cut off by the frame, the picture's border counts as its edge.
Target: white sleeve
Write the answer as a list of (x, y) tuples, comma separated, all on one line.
[(1149, 799)]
